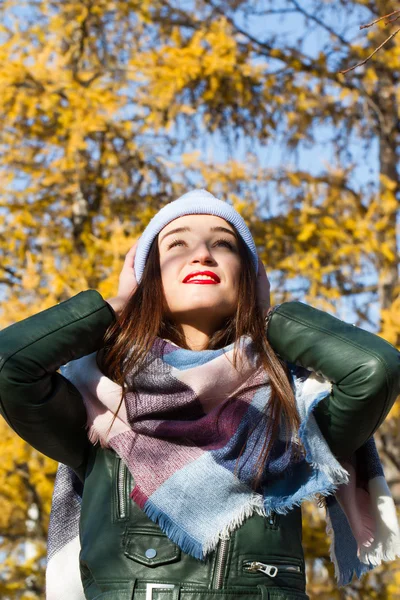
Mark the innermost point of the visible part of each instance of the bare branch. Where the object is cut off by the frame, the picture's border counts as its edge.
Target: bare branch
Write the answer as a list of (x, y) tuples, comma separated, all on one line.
[(277, 11), (395, 12), (372, 54), (396, 15), (319, 22)]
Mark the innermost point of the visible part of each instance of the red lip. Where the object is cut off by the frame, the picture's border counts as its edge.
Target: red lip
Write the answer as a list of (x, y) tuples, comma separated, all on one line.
[(209, 273)]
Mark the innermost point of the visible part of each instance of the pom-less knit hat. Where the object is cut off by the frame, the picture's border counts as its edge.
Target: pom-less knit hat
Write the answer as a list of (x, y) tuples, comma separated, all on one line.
[(195, 202)]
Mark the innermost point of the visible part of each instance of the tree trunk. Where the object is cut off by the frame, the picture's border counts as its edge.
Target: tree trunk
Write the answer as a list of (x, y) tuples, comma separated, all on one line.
[(388, 132)]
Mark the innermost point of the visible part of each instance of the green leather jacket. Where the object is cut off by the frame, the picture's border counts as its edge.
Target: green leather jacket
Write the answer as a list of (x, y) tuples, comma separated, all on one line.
[(124, 554)]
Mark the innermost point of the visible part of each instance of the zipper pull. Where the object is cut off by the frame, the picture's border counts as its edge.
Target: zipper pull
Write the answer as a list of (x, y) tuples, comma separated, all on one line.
[(269, 570)]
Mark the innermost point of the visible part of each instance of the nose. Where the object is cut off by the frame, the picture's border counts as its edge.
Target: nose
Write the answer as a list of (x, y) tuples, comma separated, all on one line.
[(203, 255)]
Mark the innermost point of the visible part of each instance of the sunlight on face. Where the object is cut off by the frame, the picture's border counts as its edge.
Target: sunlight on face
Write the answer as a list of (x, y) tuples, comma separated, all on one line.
[(199, 249)]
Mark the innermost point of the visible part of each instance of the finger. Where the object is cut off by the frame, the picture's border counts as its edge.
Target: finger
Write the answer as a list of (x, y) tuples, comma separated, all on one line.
[(132, 249), (130, 255)]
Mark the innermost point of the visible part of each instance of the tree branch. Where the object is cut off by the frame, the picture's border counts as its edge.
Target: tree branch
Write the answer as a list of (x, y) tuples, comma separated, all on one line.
[(372, 54), (319, 22), (396, 14)]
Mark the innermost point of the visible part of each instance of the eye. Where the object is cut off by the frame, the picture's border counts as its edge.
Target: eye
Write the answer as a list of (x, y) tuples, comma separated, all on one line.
[(226, 242), (175, 243), (220, 241)]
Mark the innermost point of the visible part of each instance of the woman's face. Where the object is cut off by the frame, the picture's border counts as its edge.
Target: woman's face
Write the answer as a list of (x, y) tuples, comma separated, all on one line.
[(203, 246)]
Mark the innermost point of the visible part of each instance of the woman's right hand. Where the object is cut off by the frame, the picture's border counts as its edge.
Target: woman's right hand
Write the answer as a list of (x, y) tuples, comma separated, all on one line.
[(127, 281)]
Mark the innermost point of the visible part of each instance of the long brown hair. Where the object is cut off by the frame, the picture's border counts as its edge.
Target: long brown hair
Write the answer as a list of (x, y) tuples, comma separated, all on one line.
[(143, 318)]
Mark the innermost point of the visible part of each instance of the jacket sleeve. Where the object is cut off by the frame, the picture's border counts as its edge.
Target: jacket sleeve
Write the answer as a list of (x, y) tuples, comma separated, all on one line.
[(38, 403), (364, 370)]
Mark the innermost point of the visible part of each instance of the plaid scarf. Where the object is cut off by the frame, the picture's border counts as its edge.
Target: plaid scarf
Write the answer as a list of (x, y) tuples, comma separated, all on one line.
[(181, 433)]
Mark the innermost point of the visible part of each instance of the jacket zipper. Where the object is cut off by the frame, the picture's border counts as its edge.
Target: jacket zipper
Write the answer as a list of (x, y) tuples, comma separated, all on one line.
[(121, 489), (270, 570), (221, 561)]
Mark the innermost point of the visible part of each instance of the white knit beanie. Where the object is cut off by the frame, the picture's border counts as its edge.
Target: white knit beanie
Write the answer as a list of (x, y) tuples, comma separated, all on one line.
[(195, 202)]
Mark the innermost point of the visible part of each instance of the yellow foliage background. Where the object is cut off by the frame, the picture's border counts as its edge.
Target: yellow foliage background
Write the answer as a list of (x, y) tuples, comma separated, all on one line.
[(111, 109)]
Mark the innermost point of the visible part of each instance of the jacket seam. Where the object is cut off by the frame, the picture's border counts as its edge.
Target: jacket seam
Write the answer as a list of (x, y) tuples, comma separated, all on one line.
[(351, 342), (50, 333)]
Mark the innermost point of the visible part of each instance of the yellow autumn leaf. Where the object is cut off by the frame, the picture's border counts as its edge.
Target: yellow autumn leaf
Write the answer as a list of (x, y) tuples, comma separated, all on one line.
[(306, 232)]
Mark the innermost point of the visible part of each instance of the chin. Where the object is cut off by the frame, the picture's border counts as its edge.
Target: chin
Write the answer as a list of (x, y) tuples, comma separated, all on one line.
[(207, 308)]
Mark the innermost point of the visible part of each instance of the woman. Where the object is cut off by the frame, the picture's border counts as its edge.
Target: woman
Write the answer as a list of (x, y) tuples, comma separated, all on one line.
[(210, 418)]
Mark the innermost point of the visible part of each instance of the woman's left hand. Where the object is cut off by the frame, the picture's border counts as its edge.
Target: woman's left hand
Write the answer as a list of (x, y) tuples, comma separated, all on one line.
[(263, 288)]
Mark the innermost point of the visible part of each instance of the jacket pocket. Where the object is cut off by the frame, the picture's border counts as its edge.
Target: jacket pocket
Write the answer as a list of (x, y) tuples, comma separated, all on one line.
[(150, 548), (274, 567)]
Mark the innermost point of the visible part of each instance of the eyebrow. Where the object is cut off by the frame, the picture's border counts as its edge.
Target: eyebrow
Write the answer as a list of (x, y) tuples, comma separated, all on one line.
[(181, 229)]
